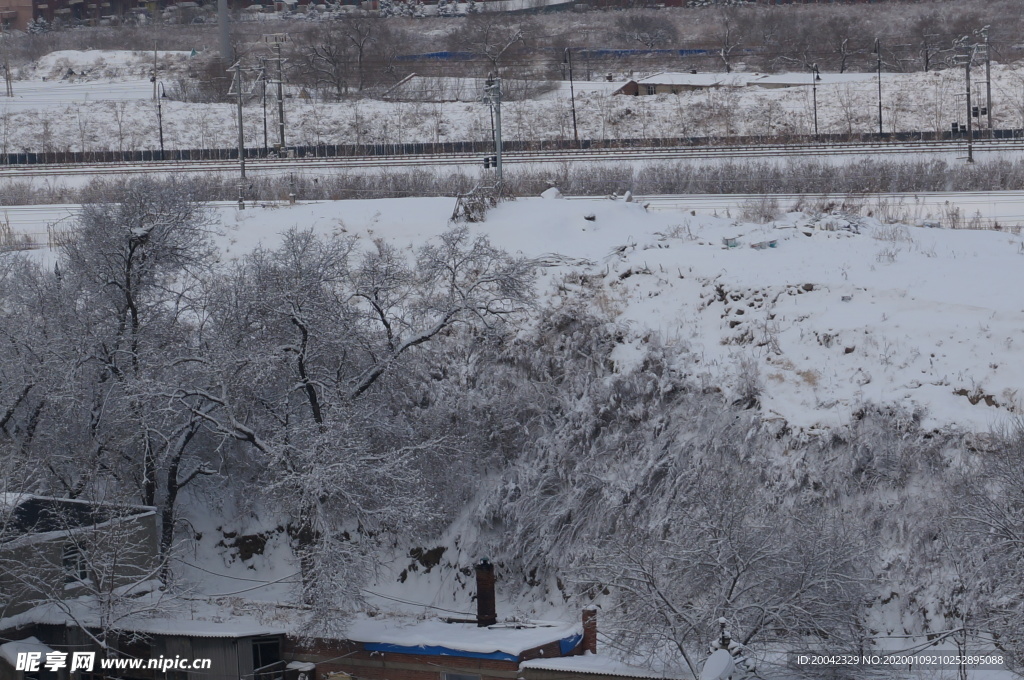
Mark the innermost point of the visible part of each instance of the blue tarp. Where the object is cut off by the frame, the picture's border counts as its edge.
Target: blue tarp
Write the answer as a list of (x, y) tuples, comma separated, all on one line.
[(565, 646), (437, 56)]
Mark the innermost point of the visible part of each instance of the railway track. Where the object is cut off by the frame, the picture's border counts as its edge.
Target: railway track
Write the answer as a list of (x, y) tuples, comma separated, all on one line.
[(317, 163)]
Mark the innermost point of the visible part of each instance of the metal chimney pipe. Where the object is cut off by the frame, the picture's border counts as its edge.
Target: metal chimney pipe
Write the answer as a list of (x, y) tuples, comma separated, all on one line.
[(486, 612)]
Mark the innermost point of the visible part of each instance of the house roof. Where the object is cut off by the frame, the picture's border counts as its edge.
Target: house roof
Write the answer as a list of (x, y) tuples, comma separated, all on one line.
[(804, 78), (31, 514), (202, 618), (696, 79), (505, 641), (745, 79), (592, 664), (9, 650)]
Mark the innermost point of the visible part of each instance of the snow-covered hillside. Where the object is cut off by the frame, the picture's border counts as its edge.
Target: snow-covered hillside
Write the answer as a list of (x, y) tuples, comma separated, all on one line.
[(833, 313)]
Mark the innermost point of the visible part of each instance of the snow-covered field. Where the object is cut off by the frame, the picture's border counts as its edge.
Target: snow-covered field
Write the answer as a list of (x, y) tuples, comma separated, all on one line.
[(837, 313), (107, 104), (833, 313)]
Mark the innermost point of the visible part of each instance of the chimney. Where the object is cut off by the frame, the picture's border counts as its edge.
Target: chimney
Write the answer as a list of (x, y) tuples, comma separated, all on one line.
[(589, 643), (486, 613)]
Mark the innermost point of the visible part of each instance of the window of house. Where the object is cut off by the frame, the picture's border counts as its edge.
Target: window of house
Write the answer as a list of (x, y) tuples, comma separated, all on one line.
[(75, 568), (652, 89), (459, 676)]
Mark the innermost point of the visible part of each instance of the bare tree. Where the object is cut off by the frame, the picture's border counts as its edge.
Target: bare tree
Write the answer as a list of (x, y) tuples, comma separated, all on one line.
[(313, 342), (493, 36), (648, 28), (992, 516), (773, 574), (120, 308), (729, 37)]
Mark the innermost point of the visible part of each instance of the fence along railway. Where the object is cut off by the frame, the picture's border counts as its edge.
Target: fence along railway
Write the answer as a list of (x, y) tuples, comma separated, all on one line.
[(829, 142)]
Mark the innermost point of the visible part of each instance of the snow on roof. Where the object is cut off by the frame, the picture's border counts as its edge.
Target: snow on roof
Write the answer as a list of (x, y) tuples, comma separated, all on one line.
[(458, 639), (696, 79), (35, 518), (10, 500), (201, 619), (9, 650), (804, 78), (593, 664), (742, 79)]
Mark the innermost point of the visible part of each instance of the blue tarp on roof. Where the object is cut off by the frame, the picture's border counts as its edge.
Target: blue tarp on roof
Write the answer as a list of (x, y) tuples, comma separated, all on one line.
[(433, 650), (565, 646)]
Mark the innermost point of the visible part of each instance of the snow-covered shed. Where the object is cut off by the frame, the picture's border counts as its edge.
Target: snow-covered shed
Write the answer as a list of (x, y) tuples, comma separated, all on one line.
[(9, 652), (235, 645), (585, 667), (674, 83), (408, 649), (484, 648)]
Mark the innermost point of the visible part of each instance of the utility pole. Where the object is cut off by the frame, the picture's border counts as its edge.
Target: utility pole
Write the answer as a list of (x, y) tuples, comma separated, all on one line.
[(878, 51), (814, 92), (492, 94), (966, 57), (263, 80), (276, 40), (572, 96), (160, 120), (222, 31), (988, 79), (236, 88), (154, 71), (4, 37), (970, 111)]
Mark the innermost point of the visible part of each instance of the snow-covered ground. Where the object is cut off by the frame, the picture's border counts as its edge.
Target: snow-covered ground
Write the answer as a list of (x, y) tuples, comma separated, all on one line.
[(107, 104), (836, 313)]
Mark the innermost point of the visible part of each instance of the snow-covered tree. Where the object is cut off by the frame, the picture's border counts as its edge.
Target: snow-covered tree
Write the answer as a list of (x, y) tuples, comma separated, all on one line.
[(318, 346)]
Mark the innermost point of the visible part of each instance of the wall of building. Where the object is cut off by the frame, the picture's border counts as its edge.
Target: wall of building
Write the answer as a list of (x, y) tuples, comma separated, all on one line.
[(32, 567), (16, 13), (350, 658)]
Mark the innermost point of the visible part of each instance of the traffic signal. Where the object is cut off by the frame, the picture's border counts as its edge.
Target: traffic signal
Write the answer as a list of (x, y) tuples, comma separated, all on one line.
[(490, 161)]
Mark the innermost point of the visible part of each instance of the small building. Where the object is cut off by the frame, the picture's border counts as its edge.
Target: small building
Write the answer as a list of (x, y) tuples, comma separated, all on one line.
[(48, 537), (383, 648), (435, 649), (585, 667), (675, 83)]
